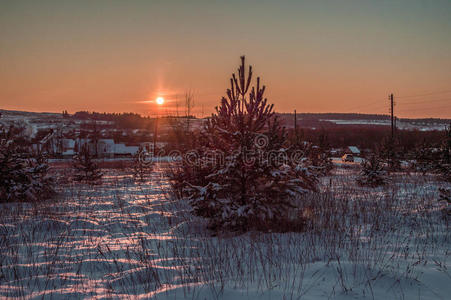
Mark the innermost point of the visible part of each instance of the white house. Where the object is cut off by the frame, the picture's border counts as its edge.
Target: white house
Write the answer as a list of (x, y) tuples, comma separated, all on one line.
[(105, 147), (68, 147), (122, 149)]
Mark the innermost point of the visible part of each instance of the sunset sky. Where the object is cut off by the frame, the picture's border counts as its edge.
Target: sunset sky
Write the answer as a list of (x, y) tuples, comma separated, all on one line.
[(314, 56)]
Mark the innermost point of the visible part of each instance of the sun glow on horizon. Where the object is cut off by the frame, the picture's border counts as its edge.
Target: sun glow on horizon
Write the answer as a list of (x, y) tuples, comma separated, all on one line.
[(160, 100)]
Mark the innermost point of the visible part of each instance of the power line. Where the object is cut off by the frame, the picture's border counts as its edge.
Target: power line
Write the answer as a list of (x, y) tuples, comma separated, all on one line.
[(415, 109), (426, 101), (426, 94), (392, 104)]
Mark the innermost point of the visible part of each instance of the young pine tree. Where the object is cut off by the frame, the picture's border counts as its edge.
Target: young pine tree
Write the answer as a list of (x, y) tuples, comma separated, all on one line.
[(23, 176), (85, 167), (372, 173), (240, 177)]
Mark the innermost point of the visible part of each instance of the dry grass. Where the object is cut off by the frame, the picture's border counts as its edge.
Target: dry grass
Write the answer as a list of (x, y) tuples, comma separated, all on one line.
[(125, 240)]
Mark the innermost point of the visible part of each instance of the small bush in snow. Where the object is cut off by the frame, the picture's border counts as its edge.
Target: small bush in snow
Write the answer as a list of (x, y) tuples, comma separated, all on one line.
[(322, 153), (85, 167), (372, 173), (237, 177), (321, 161), (424, 158), (23, 176)]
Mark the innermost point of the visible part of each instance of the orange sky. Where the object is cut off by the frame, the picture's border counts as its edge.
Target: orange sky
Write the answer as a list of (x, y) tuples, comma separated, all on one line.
[(314, 56)]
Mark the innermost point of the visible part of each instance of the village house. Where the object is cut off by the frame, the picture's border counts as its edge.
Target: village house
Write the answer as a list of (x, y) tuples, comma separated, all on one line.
[(352, 150)]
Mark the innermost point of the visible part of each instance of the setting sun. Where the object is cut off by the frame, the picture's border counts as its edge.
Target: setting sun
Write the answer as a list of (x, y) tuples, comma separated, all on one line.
[(160, 100)]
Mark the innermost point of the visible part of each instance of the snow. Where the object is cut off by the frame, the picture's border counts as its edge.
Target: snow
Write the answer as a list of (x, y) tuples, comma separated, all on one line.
[(354, 149), (128, 240)]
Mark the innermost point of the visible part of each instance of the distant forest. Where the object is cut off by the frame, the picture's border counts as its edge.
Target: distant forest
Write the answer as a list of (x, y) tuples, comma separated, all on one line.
[(121, 120)]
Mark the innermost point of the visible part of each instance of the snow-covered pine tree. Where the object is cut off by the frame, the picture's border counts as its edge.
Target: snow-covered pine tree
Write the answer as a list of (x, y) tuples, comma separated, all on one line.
[(316, 157), (43, 183), (240, 179), (85, 167), (23, 177), (320, 155), (323, 163), (142, 165), (372, 173)]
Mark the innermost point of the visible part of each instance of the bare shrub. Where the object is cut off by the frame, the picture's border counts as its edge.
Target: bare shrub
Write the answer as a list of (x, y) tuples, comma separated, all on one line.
[(142, 165)]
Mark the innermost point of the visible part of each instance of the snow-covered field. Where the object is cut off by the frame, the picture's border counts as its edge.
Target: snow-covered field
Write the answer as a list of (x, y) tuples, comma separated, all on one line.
[(127, 240)]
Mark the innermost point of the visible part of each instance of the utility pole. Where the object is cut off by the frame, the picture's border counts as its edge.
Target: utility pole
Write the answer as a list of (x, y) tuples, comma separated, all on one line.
[(392, 140), (392, 119), (295, 122), (155, 134), (295, 126), (95, 137)]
